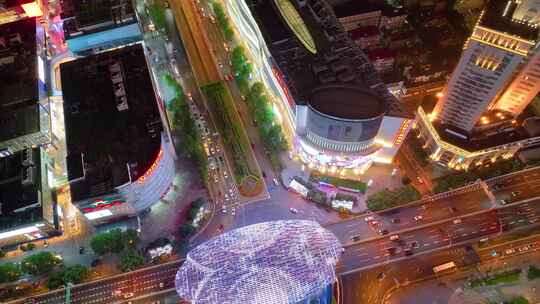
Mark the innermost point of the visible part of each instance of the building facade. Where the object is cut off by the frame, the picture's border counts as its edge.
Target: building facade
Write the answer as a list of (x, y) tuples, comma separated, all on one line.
[(479, 117), (343, 117)]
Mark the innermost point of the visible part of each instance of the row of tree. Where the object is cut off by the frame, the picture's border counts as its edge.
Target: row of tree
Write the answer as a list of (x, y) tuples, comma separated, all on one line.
[(114, 241), (43, 263), (241, 68), (387, 198), (223, 20), (261, 111), (183, 122), (121, 242)]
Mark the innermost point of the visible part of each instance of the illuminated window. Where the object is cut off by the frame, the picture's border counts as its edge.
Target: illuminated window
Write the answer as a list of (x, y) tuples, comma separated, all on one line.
[(296, 24)]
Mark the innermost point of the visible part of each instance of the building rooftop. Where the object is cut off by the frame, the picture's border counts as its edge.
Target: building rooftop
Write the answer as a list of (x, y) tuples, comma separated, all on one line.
[(19, 91), (90, 16), (20, 180), (380, 54), (111, 118), (498, 16), (342, 102), (363, 32), (353, 7), (338, 61)]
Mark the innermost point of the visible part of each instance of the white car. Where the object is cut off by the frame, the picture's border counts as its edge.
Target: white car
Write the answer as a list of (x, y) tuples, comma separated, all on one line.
[(293, 210), (233, 211), (128, 295), (418, 218), (457, 221), (275, 182), (224, 210), (394, 237), (369, 218), (509, 251)]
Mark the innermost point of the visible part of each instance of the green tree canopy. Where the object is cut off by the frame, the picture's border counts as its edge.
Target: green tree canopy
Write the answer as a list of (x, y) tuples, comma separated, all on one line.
[(387, 198), (108, 242), (131, 260), (131, 238), (186, 230), (9, 272), (39, 263), (72, 274)]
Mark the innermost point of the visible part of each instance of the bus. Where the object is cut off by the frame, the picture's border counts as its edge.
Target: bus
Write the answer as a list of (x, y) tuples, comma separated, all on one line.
[(443, 267)]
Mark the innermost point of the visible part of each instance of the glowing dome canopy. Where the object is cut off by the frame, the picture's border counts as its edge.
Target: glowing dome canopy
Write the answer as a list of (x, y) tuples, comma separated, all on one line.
[(296, 24), (278, 262)]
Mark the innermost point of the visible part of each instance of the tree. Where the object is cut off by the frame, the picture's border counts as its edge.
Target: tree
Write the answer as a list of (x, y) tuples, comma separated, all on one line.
[(108, 242), (157, 14), (9, 272), (72, 274), (405, 180), (518, 300), (186, 229), (131, 260), (131, 238), (387, 198), (39, 263)]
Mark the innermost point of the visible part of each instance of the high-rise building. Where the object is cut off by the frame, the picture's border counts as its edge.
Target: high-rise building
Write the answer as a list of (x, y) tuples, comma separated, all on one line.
[(119, 157), (479, 115), (494, 51), (27, 211)]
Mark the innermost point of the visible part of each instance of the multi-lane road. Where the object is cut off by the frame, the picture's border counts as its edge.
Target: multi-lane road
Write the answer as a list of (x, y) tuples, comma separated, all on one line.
[(113, 289)]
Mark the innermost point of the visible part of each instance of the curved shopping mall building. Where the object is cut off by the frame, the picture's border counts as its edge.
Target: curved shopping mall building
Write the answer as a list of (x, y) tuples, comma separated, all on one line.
[(342, 116), (119, 158)]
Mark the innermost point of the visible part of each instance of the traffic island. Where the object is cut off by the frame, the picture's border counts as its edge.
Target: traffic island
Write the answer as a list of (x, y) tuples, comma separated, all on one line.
[(236, 142)]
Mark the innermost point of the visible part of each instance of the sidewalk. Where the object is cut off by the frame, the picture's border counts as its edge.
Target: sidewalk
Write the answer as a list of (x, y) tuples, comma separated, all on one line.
[(379, 174)]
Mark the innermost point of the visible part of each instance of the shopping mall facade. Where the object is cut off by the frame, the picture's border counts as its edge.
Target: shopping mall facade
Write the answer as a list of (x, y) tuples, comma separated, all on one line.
[(336, 118)]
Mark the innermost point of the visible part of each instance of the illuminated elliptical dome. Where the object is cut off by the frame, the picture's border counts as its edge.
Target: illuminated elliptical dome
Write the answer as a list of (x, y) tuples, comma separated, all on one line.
[(278, 262)]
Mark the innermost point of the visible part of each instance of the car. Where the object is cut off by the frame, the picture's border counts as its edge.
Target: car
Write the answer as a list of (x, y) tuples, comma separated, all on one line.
[(523, 249), (264, 174), (382, 232), (394, 237), (293, 210), (415, 244), (407, 252), (161, 284), (226, 47), (418, 218), (509, 251), (356, 238), (373, 223), (275, 182), (457, 221), (369, 218), (396, 220), (233, 212), (419, 179), (212, 19), (189, 96), (515, 193), (424, 206), (391, 250), (117, 292), (381, 276), (224, 210), (45, 244), (128, 295), (503, 201), (81, 250)]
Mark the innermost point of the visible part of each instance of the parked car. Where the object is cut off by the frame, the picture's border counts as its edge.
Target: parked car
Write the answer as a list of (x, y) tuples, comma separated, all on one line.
[(293, 210), (418, 218), (394, 237)]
